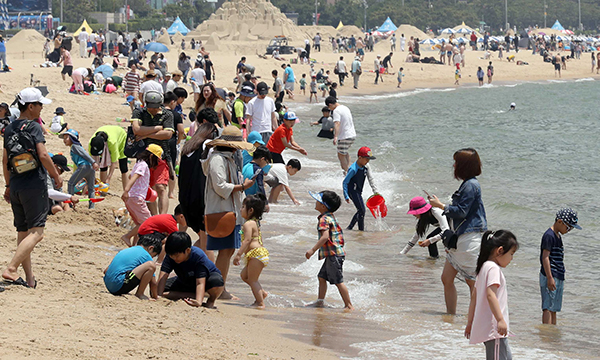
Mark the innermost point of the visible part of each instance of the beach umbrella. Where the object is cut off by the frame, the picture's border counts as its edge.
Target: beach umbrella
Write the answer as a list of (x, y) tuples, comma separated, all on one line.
[(463, 30), (448, 31), (461, 40), (428, 42), (106, 70), (156, 47), (568, 32)]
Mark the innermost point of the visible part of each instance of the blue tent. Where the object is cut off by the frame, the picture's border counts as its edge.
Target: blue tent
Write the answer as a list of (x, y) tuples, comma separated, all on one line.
[(178, 25), (387, 25), (557, 26)]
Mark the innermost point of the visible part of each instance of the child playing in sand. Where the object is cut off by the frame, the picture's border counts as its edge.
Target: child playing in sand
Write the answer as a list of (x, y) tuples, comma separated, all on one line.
[(330, 247), (134, 193), (256, 256), (303, 84), (86, 165), (277, 179), (313, 89), (552, 271), (400, 76), (134, 267), (326, 124), (353, 186), (488, 311), (58, 121), (196, 274)]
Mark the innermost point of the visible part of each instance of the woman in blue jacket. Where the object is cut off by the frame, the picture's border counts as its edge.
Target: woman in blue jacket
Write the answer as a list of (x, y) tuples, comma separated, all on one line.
[(466, 215)]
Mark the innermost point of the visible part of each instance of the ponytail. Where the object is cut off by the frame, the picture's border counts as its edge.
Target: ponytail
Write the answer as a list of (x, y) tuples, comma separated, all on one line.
[(492, 240)]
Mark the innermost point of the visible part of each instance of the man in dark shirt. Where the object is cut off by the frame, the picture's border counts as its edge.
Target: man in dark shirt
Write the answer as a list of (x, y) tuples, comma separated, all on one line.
[(27, 192), (208, 68), (178, 135), (387, 62), (156, 126)]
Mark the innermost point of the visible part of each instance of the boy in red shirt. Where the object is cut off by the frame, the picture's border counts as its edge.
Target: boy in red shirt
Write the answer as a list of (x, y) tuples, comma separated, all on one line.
[(164, 223), (283, 137)]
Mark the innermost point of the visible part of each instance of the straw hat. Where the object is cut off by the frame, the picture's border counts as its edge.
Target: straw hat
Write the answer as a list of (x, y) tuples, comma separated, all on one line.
[(232, 137)]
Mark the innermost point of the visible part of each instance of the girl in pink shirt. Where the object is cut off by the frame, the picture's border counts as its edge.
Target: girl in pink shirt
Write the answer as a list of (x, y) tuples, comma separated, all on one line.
[(488, 312), (134, 193)]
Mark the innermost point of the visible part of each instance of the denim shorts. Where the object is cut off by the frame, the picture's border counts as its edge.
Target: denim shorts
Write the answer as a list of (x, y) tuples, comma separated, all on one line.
[(551, 300)]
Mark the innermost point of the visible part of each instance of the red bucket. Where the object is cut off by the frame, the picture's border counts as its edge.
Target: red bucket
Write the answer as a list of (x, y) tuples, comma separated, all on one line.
[(151, 195), (376, 204)]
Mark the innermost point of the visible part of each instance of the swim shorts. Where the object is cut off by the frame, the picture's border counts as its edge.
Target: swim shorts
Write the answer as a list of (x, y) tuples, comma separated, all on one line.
[(160, 175), (67, 69), (497, 349), (131, 282), (289, 85), (213, 280), (30, 208), (557, 67), (551, 300), (332, 269), (344, 145)]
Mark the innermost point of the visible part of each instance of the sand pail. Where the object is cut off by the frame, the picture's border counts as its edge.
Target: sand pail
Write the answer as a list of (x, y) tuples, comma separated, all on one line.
[(376, 204)]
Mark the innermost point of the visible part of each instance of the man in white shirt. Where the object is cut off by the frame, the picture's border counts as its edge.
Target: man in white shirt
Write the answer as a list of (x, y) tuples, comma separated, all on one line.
[(83, 38), (377, 67), (402, 42), (260, 113), (174, 82), (149, 84), (199, 76), (344, 133), (93, 41), (341, 70)]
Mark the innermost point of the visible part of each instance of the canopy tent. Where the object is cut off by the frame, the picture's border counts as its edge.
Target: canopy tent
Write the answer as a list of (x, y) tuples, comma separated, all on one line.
[(85, 25), (388, 25), (557, 26), (340, 25), (178, 26)]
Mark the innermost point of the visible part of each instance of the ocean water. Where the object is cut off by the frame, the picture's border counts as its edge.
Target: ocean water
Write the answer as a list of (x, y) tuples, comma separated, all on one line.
[(537, 159)]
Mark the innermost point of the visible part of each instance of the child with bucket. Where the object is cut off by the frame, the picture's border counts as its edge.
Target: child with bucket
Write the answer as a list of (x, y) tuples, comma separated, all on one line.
[(426, 215), (353, 186)]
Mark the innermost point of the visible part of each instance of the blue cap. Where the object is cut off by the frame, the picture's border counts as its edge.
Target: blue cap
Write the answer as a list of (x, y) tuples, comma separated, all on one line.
[(255, 137), (130, 98), (318, 197), (290, 115), (73, 134)]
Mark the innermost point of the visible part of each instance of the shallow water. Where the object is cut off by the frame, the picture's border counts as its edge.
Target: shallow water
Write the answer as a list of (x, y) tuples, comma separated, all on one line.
[(535, 160)]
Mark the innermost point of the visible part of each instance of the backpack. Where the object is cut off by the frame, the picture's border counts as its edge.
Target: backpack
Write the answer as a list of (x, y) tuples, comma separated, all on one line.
[(133, 146), (21, 149)]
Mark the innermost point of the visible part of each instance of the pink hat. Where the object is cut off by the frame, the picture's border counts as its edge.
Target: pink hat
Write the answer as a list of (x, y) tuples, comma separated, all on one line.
[(418, 206)]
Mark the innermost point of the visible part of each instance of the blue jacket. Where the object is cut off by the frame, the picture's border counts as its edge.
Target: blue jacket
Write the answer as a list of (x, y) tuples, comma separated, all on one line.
[(467, 211)]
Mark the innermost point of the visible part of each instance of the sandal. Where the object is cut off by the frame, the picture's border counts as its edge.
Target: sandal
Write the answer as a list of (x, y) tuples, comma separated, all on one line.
[(19, 281)]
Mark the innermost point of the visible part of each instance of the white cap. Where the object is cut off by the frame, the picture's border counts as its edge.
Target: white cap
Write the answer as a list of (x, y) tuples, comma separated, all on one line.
[(378, 55), (32, 95), (513, 105)]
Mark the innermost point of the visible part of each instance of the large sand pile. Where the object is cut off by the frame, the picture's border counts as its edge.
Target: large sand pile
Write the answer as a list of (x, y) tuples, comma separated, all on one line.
[(26, 41), (349, 30), (249, 20), (325, 31), (164, 37), (409, 30)]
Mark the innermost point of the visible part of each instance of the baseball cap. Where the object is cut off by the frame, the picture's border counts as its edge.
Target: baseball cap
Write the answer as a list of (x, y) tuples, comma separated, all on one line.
[(156, 150), (61, 162), (32, 95), (262, 88), (366, 152), (290, 115), (153, 99), (513, 105), (97, 145), (568, 216), (247, 90)]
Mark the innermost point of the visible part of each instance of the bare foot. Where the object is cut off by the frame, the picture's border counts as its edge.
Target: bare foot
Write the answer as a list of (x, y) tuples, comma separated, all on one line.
[(258, 305), (209, 305), (264, 294), (317, 304), (226, 295), (349, 308), (9, 275), (126, 240), (142, 297), (172, 197)]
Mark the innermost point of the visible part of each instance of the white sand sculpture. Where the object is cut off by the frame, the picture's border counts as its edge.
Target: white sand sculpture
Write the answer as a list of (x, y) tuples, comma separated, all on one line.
[(250, 20)]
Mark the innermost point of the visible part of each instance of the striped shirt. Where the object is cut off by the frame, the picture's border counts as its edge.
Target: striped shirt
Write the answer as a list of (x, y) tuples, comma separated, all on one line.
[(553, 243), (335, 244), (132, 82)]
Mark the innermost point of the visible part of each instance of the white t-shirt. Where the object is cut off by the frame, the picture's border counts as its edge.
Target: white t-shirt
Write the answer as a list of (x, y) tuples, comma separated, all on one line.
[(150, 85), (341, 66), (120, 39), (485, 326), (280, 172), (198, 74), (92, 37), (171, 85), (261, 110), (83, 36), (83, 71), (343, 115)]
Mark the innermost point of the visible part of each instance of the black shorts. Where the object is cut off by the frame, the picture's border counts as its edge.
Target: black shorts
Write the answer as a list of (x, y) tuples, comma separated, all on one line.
[(123, 166), (173, 150), (332, 270), (214, 280), (131, 282), (194, 215), (30, 208), (556, 66), (67, 69), (277, 158)]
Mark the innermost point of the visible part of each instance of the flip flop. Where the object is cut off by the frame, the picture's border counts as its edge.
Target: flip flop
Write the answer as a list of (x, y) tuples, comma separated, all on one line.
[(2, 288), (19, 281)]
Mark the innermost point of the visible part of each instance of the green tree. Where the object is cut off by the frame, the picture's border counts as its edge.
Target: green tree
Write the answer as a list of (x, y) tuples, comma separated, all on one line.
[(73, 10), (184, 10)]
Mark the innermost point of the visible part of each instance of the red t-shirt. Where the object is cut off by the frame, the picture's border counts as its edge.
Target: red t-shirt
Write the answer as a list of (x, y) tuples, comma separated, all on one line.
[(275, 145), (163, 223)]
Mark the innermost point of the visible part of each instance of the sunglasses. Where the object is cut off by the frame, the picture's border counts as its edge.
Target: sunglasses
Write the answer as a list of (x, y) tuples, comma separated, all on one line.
[(569, 227)]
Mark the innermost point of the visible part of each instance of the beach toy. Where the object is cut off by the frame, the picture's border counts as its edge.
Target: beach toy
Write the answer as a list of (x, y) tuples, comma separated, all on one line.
[(376, 203), (94, 200), (151, 195)]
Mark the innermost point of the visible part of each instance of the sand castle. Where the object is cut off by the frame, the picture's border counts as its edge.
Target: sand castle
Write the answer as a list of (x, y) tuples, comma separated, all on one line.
[(250, 20)]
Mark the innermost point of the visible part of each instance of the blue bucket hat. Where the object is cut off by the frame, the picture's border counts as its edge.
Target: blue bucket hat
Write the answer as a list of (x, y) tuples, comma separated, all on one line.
[(254, 137)]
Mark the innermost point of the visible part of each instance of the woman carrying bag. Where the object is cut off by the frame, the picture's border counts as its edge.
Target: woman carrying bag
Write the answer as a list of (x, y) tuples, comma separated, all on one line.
[(224, 194)]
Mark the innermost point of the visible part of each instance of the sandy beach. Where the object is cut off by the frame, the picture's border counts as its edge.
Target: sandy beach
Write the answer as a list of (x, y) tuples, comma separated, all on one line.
[(71, 314)]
